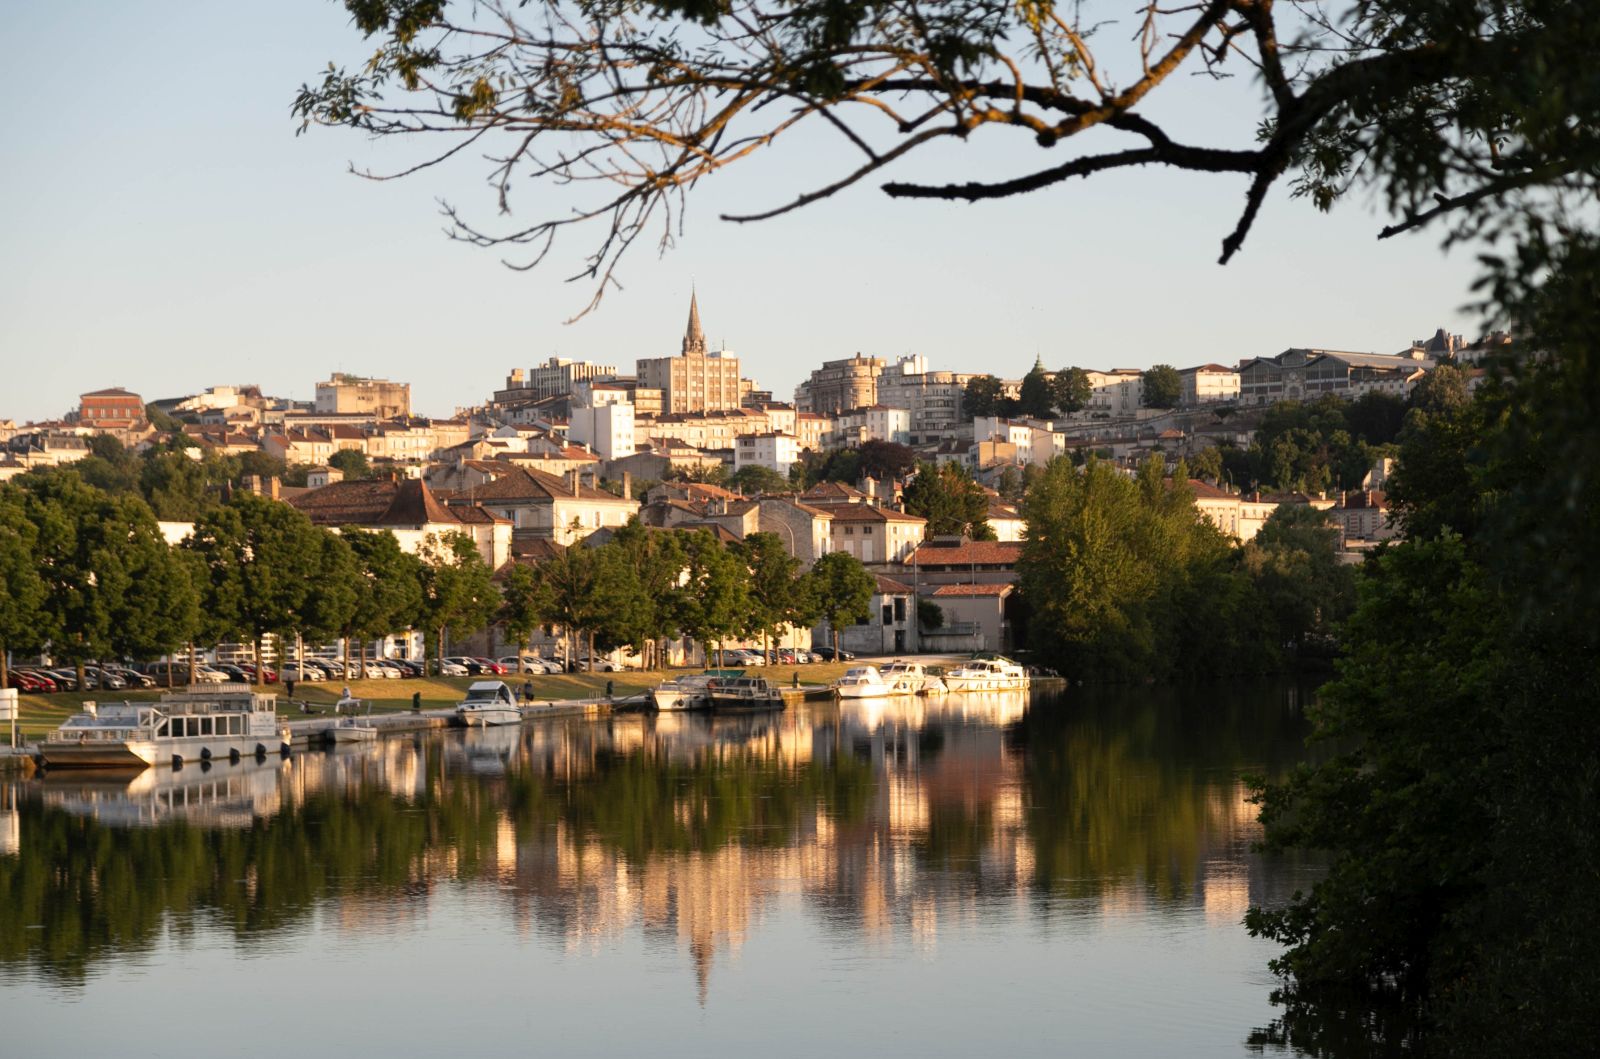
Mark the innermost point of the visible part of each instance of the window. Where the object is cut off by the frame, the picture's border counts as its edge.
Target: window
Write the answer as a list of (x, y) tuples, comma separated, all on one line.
[(899, 608), (849, 531), (866, 531), (888, 614)]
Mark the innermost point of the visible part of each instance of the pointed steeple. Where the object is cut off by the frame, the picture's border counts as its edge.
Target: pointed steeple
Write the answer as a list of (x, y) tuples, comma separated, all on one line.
[(694, 339)]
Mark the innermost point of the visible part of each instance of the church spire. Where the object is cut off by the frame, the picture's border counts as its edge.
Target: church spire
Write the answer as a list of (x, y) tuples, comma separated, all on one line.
[(694, 339)]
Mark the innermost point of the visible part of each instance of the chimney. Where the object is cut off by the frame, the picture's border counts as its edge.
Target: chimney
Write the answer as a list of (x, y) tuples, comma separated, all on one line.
[(627, 485), (273, 487), (572, 482)]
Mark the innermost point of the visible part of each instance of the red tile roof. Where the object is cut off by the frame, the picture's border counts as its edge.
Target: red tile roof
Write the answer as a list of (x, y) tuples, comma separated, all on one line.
[(1001, 591), (967, 553)]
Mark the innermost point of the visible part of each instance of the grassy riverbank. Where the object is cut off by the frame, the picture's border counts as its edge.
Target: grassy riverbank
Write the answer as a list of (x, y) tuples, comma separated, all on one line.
[(40, 714)]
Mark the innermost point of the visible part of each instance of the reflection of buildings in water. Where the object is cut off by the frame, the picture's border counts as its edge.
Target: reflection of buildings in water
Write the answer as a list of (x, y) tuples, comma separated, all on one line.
[(223, 796), (10, 831)]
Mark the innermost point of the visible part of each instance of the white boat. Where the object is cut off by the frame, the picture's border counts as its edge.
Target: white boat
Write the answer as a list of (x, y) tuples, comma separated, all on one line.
[(691, 692), (488, 702), (864, 682), (213, 722), (987, 673), (353, 727), (912, 677)]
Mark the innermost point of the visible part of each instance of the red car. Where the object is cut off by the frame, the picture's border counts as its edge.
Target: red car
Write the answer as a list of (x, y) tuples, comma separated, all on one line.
[(491, 666), (268, 676), (27, 682)]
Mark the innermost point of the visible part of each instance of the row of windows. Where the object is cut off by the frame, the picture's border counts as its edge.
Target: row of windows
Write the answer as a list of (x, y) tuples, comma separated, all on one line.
[(180, 727)]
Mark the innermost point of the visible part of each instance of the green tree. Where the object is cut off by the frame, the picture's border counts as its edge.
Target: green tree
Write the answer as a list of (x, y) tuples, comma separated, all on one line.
[(1037, 399), (1163, 388), (1207, 464), (524, 603), (458, 595), (1444, 389), (755, 480), (1299, 580), (352, 463), (981, 396), (1072, 390), (884, 460), (333, 598), (260, 559), (390, 588), (658, 562), (113, 586), (22, 590), (714, 601), (567, 592), (841, 589), (1009, 484), (950, 500), (775, 596), (929, 616)]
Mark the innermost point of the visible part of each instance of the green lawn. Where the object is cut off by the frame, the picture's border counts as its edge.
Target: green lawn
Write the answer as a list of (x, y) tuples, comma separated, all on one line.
[(40, 714)]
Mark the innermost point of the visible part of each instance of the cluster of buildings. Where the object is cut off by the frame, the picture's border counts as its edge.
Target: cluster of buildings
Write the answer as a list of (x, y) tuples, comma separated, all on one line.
[(570, 450)]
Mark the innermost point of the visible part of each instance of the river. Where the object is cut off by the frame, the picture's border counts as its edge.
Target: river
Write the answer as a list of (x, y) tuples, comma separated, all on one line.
[(1057, 875)]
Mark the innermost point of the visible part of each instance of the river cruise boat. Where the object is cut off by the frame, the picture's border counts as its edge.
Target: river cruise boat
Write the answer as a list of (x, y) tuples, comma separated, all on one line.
[(690, 692), (207, 723), (864, 682), (987, 673), (745, 695), (488, 703), (912, 677)]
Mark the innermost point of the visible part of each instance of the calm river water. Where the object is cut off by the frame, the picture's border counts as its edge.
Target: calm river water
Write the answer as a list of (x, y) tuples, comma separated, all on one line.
[(1060, 876)]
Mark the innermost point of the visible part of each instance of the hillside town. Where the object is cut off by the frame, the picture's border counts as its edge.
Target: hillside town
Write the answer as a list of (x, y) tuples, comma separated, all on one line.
[(568, 452)]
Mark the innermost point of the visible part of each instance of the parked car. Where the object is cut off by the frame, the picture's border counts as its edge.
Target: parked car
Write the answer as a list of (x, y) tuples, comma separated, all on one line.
[(407, 667), (27, 683), (104, 679), (382, 670), (132, 677), (233, 673), (306, 672), (46, 681), (66, 679), (330, 669), (446, 668), (826, 654), (491, 666), (268, 676)]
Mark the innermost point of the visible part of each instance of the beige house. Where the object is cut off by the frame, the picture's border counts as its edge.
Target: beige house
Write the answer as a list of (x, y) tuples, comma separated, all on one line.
[(408, 509), (875, 534), (542, 505), (977, 612)]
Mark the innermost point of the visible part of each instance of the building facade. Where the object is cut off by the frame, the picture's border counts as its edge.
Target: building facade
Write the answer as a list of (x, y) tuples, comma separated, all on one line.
[(1306, 374), (697, 380), (1208, 384), (113, 409), (345, 394), (840, 385)]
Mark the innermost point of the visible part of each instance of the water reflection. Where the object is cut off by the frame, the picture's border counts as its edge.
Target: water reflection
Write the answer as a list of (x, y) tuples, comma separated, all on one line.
[(892, 821)]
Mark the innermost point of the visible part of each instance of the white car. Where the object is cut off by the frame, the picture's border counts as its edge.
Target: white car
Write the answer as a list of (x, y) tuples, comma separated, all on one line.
[(448, 668), (531, 666), (295, 671), (383, 671)]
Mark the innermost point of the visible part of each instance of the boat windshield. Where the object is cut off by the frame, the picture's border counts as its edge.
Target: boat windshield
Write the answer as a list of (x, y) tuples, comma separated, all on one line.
[(483, 695)]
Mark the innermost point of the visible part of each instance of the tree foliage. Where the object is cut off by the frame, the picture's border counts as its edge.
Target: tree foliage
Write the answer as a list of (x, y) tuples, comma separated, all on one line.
[(1072, 390), (1163, 388), (841, 590), (981, 396), (952, 502), (756, 480), (885, 460), (1037, 398), (458, 595)]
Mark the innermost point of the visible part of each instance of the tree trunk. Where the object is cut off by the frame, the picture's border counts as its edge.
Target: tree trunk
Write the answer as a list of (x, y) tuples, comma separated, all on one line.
[(439, 644), (591, 650), (192, 663), (5, 666), (255, 648), (346, 662), (835, 630), (83, 678)]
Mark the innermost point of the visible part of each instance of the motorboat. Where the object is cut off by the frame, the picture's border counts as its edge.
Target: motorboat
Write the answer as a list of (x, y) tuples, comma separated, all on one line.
[(913, 677), (218, 721), (745, 695), (987, 673), (488, 703), (352, 726), (863, 682), (690, 692)]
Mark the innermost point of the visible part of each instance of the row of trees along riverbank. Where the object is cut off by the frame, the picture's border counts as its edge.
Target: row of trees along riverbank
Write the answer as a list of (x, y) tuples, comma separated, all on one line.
[(86, 574)]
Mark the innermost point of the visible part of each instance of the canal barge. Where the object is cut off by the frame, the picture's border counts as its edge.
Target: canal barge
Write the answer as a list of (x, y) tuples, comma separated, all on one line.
[(192, 724), (745, 695), (987, 673)]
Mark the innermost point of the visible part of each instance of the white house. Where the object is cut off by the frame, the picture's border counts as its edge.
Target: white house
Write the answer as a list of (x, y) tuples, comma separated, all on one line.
[(774, 451)]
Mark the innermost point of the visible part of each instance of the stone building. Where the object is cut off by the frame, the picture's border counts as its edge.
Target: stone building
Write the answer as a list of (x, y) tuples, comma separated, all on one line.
[(840, 385), (343, 394), (697, 380)]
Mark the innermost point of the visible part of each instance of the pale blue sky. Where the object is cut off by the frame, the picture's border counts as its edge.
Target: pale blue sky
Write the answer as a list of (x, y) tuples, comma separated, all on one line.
[(166, 231)]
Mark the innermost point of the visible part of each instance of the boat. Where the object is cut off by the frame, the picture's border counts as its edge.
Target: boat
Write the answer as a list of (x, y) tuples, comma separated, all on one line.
[(987, 673), (198, 723), (353, 727), (488, 703), (745, 695), (691, 692), (863, 682), (912, 677)]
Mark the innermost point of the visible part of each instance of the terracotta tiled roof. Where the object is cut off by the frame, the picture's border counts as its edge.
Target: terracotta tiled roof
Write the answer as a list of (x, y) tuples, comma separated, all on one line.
[(374, 502), (975, 590), (888, 586), (525, 483), (967, 553), (115, 391), (832, 493), (1207, 491), (535, 549), (868, 513)]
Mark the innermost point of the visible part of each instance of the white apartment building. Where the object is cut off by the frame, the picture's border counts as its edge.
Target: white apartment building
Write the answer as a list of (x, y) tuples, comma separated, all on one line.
[(347, 394), (873, 423), (932, 397), (1118, 392), (1208, 384), (602, 418), (777, 452)]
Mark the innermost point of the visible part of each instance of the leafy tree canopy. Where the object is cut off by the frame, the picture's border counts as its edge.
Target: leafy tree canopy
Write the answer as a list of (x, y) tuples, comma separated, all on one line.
[(950, 500), (1162, 387)]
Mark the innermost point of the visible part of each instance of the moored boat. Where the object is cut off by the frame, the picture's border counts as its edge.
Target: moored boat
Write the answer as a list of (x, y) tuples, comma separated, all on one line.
[(488, 703), (745, 695), (863, 682), (217, 721), (912, 677), (987, 673), (690, 692)]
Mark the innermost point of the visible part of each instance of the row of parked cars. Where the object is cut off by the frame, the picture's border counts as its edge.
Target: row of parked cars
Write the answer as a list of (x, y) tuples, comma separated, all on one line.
[(785, 656), (109, 676)]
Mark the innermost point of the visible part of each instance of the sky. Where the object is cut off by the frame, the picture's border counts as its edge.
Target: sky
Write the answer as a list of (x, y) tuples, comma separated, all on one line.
[(165, 230)]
